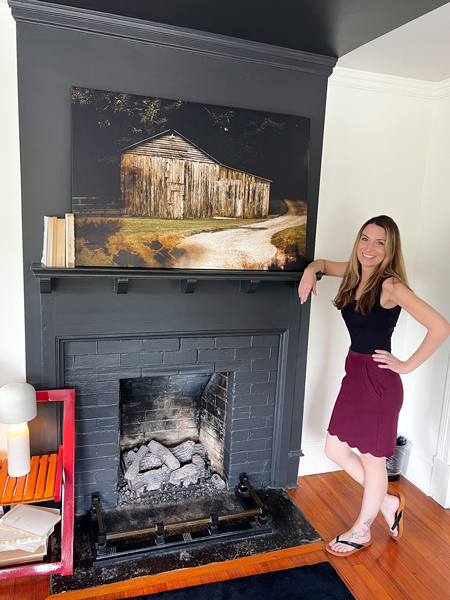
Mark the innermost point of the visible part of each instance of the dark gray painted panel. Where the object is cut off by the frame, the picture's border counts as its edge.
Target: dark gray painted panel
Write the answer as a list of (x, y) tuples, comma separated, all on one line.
[(50, 61)]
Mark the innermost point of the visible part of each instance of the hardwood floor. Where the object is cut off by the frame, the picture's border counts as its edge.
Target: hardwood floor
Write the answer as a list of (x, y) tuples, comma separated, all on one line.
[(417, 567)]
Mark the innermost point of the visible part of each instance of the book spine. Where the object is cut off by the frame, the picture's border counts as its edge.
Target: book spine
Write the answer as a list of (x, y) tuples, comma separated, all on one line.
[(51, 239), (70, 241), (44, 258), (60, 259)]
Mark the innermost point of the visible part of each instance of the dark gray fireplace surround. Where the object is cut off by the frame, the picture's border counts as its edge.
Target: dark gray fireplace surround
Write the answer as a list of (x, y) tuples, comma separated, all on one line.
[(84, 334), (94, 338), (95, 366)]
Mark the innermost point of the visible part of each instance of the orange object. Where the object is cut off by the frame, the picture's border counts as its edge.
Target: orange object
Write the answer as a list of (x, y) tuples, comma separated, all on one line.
[(32, 476), (41, 478), (59, 474), (41, 484), (3, 475), (20, 487), (9, 490), (51, 474)]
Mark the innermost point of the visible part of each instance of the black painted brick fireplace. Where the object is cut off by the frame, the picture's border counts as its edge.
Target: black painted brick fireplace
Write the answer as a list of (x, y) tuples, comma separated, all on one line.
[(87, 333), (95, 367)]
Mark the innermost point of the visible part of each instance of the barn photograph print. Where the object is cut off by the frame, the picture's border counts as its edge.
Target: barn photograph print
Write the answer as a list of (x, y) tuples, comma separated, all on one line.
[(160, 183)]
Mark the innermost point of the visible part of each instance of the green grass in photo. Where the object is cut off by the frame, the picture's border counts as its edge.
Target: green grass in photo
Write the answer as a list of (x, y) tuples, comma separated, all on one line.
[(291, 241)]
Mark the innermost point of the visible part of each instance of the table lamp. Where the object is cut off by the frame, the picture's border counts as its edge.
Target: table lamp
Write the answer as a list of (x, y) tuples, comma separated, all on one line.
[(17, 406)]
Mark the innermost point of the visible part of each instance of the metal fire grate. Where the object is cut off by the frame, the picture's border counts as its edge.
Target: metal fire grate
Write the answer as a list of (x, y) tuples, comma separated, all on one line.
[(252, 520)]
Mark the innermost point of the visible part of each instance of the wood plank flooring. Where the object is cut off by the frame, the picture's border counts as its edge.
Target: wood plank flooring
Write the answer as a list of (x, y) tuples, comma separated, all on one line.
[(417, 567)]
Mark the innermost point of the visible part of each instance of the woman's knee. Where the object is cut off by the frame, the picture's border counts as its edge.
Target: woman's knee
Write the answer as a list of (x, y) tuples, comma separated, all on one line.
[(373, 463), (336, 450)]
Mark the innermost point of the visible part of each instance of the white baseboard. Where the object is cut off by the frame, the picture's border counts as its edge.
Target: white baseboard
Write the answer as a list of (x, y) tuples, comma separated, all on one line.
[(440, 483), (314, 460), (418, 469)]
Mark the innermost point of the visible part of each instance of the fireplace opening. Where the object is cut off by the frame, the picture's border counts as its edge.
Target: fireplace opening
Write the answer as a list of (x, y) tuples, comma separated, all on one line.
[(172, 433)]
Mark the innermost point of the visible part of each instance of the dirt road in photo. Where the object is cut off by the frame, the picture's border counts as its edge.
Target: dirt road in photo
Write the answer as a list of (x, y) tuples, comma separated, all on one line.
[(247, 247)]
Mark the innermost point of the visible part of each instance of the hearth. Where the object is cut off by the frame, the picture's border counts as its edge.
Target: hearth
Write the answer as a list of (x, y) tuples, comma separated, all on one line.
[(288, 528)]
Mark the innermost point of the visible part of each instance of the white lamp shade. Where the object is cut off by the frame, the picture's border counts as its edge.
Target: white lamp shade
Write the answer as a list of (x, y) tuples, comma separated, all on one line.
[(17, 403)]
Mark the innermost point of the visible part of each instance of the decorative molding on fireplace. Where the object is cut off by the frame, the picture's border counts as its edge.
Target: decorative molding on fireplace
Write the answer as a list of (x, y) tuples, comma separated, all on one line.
[(249, 280), (77, 19)]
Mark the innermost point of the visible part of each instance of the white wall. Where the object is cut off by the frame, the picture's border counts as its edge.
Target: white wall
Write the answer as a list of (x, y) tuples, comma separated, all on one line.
[(12, 348), (384, 153), (427, 421)]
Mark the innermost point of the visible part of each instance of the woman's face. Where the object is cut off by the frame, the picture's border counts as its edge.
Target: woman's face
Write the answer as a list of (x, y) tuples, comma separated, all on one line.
[(371, 247)]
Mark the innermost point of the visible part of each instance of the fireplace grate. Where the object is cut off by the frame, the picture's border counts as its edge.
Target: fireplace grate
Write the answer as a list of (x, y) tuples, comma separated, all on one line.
[(252, 520)]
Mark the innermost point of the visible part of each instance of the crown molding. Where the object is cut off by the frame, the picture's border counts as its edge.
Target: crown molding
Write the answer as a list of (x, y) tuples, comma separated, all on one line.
[(387, 84), (87, 21), (443, 89)]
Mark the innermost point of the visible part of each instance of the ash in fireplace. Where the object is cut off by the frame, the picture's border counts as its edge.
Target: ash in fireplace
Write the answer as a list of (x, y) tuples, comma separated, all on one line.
[(154, 473)]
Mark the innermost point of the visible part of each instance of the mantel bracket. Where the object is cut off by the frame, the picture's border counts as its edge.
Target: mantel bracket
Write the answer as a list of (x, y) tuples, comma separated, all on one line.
[(249, 286), (45, 285), (188, 286), (121, 285)]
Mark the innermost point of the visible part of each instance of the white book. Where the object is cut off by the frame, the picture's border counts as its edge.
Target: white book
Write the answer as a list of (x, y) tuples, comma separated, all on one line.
[(14, 557), (44, 258), (11, 534), (36, 520)]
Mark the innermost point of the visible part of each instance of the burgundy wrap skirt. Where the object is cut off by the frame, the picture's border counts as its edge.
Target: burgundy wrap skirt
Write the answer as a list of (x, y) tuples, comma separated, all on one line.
[(366, 411)]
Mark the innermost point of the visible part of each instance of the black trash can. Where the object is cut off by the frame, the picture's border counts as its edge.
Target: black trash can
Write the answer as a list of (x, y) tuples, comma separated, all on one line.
[(394, 464)]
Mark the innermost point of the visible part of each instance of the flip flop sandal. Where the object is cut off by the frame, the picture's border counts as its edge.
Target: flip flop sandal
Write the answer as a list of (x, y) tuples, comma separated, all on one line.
[(356, 547), (398, 517)]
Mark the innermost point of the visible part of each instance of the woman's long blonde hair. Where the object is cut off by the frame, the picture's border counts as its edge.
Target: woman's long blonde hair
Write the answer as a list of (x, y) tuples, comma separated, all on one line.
[(391, 266)]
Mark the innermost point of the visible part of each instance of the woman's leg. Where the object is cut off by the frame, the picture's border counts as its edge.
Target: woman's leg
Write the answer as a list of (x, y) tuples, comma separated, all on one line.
[(375, 488), (356, 466), (341, 454)]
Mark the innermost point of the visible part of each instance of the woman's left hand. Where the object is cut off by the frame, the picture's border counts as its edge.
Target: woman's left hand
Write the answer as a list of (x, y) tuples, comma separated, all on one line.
[(387, 360)]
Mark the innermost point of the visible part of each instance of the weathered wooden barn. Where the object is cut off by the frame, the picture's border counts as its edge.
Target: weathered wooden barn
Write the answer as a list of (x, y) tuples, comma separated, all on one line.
[(169, 177)]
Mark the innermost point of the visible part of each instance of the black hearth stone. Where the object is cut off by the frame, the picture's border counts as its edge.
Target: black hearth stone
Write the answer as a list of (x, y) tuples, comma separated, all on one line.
[(289, 528)]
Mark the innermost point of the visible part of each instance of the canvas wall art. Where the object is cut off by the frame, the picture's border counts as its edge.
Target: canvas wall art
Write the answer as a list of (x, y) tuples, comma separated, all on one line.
[(168, 184)]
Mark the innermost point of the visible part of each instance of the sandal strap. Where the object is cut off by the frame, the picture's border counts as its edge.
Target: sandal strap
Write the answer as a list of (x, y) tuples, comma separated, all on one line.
[(398, 518), (352, 544)]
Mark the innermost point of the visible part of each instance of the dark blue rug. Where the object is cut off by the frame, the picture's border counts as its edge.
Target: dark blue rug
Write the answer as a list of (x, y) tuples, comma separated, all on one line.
[(312, 582)]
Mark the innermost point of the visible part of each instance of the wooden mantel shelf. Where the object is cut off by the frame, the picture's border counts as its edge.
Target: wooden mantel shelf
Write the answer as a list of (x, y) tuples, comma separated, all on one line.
[(188, 278)]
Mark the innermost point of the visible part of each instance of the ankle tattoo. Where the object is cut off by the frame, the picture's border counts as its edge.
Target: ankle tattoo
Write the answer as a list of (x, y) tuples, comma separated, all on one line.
[(364, 531)]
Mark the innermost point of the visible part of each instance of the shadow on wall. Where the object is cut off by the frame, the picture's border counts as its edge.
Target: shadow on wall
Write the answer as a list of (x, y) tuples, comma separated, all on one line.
[(327, 348)]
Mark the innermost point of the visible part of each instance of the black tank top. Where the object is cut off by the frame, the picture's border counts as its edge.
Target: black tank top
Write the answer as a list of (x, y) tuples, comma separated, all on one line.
[(372, 331)]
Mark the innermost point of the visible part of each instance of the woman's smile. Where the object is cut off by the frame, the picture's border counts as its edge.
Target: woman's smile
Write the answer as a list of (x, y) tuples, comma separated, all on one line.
[(371, 248)]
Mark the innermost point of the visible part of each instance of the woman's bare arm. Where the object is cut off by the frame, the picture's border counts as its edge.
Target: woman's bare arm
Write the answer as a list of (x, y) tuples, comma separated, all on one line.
[(438, 329), (309, 280)]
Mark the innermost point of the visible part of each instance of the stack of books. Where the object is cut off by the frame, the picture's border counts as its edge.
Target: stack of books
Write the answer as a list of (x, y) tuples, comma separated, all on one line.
[(59, 242), (24, 533)]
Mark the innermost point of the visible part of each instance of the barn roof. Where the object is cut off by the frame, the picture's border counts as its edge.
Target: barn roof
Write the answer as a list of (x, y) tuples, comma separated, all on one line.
[(171, 144)]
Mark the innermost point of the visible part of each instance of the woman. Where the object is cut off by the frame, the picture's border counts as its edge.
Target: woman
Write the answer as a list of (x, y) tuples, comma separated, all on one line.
[(373, 291)]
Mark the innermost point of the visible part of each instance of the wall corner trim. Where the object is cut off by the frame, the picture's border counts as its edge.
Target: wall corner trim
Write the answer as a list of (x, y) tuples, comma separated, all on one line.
[(88, 21)]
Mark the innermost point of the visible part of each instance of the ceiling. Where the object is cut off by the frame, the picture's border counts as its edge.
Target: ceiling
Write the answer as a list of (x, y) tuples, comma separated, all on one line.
[(418, 50), (396, 37)]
